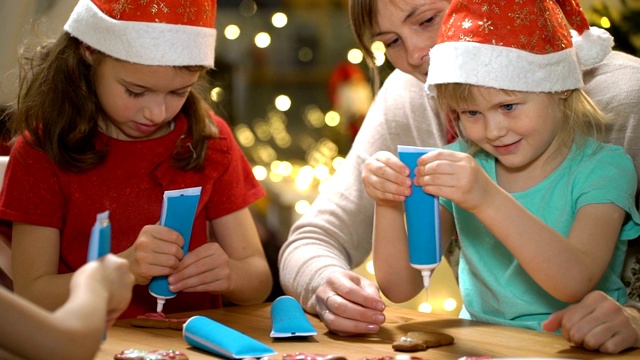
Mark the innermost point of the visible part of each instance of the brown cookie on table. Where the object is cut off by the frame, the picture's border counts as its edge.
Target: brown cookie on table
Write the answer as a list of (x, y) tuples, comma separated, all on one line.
[(421, 340), (158, 321), (130, 354)]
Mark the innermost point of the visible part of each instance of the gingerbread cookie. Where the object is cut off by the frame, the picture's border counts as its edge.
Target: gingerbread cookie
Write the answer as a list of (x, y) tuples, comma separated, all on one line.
[(137, 354), (421, 340), (158, 321)]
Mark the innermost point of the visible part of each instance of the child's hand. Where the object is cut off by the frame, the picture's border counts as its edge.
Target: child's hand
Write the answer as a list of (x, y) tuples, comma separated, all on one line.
[(204, 269), (156, 251), (106, 281), (386, 178), (455, 176), (119, 281)]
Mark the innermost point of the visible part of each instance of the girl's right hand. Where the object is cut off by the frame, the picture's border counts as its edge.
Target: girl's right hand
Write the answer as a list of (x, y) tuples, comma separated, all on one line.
[(157, 251), (386, 179)]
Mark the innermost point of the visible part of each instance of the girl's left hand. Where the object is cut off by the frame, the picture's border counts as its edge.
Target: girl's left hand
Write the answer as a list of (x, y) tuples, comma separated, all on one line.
[(455, 176), (205, 269)]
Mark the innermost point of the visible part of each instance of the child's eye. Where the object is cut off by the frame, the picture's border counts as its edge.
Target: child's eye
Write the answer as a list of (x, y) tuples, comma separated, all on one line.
[(181, 93), (133, 93), (509, 107), (469, 113)]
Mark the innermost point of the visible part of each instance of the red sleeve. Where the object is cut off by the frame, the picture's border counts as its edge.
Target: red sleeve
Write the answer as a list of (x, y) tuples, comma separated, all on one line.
[(31, 193), (236, 187)]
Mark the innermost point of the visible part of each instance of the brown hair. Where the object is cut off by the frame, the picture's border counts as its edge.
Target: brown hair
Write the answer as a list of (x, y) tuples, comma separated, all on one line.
[(58, 108), (582, 116), (363, 17)]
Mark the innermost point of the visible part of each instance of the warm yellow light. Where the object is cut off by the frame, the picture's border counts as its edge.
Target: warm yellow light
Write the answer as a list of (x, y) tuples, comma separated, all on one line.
[(275, 177), (378, 46), (355, 56), (283, 102), (605, 23), (370, 269), (260, 172), (305, 178), (322, 172), (425, 307), (232, 32), (244, 135), (337, 162), (332, 118), (379, 58), (279, 20), (262, 40), (450, 304), (302, 206), (217, 94)]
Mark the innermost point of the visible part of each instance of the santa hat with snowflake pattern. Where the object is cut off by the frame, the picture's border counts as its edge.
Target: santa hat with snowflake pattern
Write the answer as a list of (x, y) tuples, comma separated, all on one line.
[(149, 32), (521, 45)]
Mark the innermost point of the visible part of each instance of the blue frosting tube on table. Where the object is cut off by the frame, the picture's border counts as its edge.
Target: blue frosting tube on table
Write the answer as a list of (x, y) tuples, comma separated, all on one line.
[(422, 212), (218, 339), (100, 239), (288, 319), (178, 212)]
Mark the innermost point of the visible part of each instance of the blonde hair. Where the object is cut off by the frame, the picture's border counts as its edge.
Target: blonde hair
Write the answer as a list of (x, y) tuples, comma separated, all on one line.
[(58, 108), (582, 116)]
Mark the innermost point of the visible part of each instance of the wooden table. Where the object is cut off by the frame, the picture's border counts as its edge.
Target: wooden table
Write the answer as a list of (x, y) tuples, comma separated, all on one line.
[(471, 338)]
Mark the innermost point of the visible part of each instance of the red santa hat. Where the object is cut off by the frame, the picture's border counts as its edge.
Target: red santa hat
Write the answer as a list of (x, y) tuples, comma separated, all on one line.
[(149, 32), (516, 45)]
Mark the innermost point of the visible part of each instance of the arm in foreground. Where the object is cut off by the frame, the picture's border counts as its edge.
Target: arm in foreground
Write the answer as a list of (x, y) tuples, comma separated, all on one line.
[(598, 322), (99, 292)]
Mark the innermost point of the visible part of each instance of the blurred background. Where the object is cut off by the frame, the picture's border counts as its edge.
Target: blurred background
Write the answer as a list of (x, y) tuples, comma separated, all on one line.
[(293, 85)]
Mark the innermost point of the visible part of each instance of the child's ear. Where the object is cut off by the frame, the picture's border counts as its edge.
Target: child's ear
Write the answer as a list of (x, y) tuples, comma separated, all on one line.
[(87, 53), (565, 94)]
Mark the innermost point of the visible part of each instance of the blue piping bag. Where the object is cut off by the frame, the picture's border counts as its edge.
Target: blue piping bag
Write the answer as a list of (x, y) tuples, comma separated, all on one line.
[(178, 212), (422, 212)]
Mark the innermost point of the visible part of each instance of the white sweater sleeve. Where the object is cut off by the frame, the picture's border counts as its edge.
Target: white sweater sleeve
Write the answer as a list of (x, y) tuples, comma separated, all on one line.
[(336, 233)]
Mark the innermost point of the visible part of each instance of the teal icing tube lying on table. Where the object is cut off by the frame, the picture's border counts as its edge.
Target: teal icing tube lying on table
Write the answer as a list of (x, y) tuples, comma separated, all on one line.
[(422, 212), (218, 339), (178, 212)]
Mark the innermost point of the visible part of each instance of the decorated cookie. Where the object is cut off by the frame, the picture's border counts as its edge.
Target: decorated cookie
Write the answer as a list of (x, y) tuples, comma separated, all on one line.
[(130, 354), (306, 356), (421, 340), (137, 354)]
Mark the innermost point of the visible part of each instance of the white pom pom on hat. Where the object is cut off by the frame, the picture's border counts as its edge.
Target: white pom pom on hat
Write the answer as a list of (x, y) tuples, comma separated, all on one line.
[(516, 45), (166, 33)]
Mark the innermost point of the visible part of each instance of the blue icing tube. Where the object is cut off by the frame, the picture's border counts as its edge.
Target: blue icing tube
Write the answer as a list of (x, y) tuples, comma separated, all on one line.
[(288, 319), (422, 212), (178, 212), (218, 339), (100, 239)]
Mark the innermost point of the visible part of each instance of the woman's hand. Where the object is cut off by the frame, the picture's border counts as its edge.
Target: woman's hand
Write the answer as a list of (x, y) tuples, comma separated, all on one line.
[(349, 304)]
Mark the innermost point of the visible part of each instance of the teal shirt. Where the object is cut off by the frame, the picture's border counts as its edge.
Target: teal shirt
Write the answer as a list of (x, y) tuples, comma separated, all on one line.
[(494, 286)]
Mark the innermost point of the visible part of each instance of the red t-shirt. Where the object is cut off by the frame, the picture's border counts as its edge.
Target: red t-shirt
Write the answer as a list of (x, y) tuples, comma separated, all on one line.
[(130, 184)]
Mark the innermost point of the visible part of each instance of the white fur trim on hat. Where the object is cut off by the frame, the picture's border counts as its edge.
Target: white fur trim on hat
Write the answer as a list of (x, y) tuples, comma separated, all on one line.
[(502, 67), (142, 42), (592, 46)]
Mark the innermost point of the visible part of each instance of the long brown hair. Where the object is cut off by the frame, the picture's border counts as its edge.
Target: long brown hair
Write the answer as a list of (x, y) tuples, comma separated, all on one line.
[(57, 107), (363, 17)]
